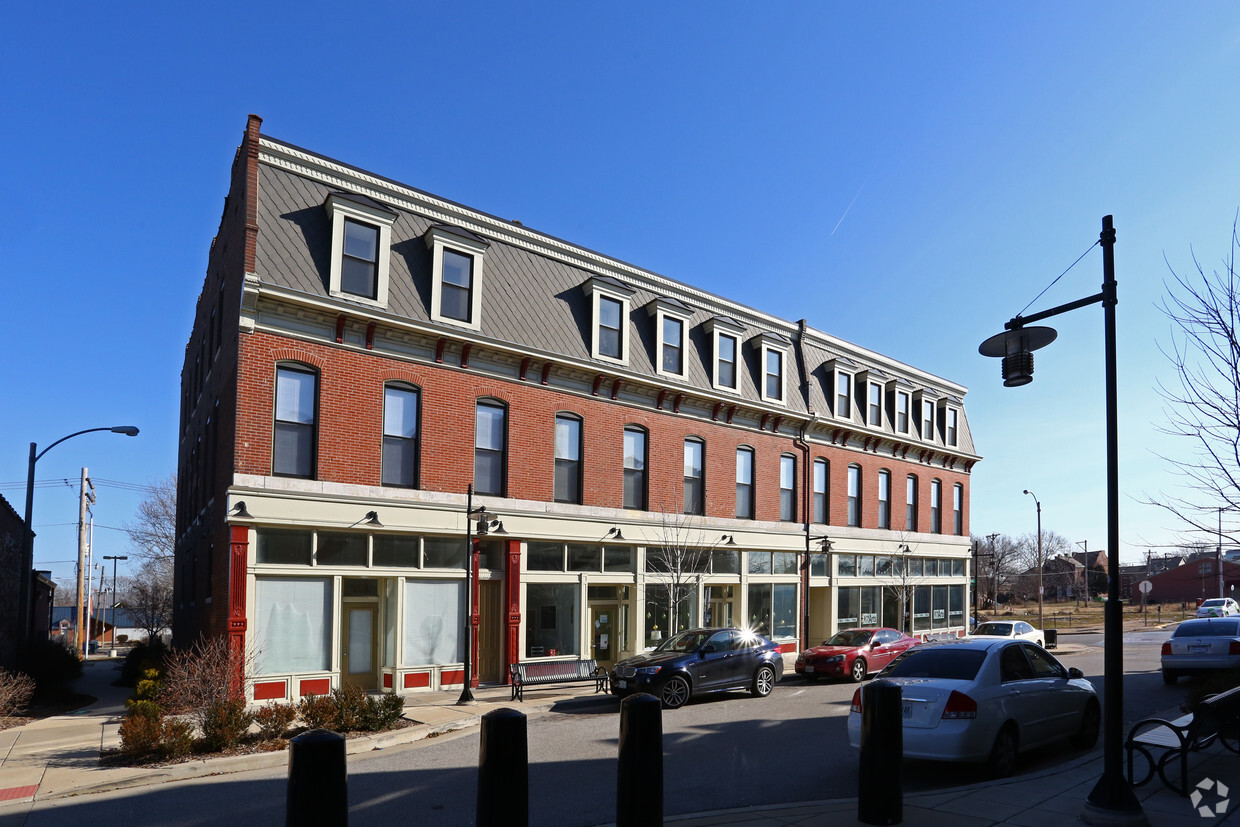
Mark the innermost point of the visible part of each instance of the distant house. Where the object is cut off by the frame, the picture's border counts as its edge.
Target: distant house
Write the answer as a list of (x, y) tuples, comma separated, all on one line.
[(1195, 579), (108, 626)]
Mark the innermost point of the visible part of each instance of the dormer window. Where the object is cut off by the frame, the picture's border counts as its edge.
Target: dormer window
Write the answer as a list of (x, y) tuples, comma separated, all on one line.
[(841, 374), (361, 241), (924, 405), (773, 350), (672, 323), (927, 419), (609, 309), (456, 276), (870, 384), (874, 411), (725, 334), (902, 407), (952, 420), (843, 395)]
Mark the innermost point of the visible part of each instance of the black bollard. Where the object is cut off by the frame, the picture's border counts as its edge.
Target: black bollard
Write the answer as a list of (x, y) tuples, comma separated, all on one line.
[(503, 770), (880, 788), (317, 780), (639, 788)]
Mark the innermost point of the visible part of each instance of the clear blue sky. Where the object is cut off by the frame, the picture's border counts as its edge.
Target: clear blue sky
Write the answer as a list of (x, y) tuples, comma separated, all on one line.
[(907, 176)]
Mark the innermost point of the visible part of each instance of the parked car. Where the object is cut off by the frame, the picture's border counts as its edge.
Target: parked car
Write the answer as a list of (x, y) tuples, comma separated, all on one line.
[(1009, 630), (853, 654), (700, 661), (1201, 646), (1218, 607), (986, 700)]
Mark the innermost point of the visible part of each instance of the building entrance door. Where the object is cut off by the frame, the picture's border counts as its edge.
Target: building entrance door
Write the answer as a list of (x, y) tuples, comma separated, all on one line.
[(719, 606), (603, 621), (358, 646), (490, 631)]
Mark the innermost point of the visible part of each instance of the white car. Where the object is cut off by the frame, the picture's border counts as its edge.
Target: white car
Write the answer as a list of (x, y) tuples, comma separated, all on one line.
[(986, 700), (1009, 630), (1218, 607), (1200, 646)]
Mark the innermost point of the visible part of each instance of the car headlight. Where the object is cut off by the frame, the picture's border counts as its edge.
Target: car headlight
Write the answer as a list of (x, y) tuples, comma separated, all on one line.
[(834, 659), (648, 670)]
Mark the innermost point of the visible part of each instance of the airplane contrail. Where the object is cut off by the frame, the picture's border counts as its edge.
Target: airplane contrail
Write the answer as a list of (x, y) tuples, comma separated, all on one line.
[(849, 207)]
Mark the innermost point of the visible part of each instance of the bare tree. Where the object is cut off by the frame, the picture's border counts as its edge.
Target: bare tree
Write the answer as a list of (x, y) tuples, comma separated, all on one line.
[(148, 597), (904, 571), (1203, 399), (679, 558), (153, 532), (998, 563)]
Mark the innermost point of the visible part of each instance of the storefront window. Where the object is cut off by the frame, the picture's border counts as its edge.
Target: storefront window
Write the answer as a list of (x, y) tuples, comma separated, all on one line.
[(659, 612), (292, 620), (955, 605), (921, 609), (865, 565), (283, 547), (341, 549), (553, 614), (773, 609), (396, 550), (544, 557), (434, 616), (759, 562), (848, 614), (585, 558), (940, 607), (957, 568), (784, 562), (618, 558), (847, 565), (883, 567), (870, 597), (916, 566), (444, 552), (389, 621), (725, 561)]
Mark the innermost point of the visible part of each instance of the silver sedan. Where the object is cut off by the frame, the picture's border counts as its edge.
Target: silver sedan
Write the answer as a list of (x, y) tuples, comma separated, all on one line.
[(1201, 645), (986, 700)]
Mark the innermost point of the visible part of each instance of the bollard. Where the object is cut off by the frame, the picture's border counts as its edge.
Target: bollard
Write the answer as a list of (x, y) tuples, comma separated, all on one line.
[(317, 780), (503, 770), (639, 787), (880, 787)]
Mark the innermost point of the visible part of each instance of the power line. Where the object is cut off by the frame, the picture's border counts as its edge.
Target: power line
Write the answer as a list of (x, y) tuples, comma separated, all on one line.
[(1061, 275)]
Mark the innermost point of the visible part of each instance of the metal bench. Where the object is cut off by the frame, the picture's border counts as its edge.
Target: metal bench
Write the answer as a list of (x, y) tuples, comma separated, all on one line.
[(1160, 742), (543, 673)]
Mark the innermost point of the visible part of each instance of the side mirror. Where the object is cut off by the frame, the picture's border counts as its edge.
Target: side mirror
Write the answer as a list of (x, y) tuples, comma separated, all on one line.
[(1074, 673), (708, 649)]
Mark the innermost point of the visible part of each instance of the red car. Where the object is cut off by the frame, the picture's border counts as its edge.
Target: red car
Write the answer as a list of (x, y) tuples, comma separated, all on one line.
[(853, 654)]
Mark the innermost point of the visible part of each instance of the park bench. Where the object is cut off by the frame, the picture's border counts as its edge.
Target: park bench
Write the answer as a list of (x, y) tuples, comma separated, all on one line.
[(1161, 742), (543, 673)]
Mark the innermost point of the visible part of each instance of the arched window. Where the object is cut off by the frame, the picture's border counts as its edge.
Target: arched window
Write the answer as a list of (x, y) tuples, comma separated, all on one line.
[(401, 403), (936, 506), (884, 499), (744, 483), (787, 487), (491, 448), (635, 484), (567, 458), (820, 491), (295, 437), (958, 509), (910, 500), (854, 495), (695, 478)]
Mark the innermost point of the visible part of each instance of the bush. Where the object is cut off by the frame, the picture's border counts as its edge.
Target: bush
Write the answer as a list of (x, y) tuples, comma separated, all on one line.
[(141, 659), (224, 724), (16, 690), (317, 711), (176, 740), (142, 729), (273, 720), (350, 703), (52, 665), (383, 712)]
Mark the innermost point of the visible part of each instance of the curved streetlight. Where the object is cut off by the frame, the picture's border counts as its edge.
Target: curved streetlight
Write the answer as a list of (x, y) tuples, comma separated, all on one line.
[(1111, 801), (1041, 562), (23, 599)]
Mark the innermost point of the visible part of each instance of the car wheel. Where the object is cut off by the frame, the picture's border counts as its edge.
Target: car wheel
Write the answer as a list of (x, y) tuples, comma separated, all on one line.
[(859, 671), (675, 693), (1042, 643), (763, 681), (1091, 720), (1003, 753), (1170, 677)]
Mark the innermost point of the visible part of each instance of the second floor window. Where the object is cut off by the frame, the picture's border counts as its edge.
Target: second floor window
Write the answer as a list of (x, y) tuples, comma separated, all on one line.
[(787, 487), (910, 501), (958, 509), (400, 436), (293, 448), (695, 494), (609, 330), (359, 267), (936, 507), (567, 459), (854, 495), (884, 499), (727, 361), (456, 301), (673, 345), (490, 448), (744, 483), (634, 468), (820, 491)]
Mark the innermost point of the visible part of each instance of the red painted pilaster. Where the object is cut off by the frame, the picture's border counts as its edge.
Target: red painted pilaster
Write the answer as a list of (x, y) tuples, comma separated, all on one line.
[(473, 618), (238, 556), (512, 600)]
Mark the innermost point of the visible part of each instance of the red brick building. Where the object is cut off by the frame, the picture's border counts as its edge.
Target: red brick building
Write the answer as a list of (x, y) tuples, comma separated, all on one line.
[(364, 352), (1195, 580)]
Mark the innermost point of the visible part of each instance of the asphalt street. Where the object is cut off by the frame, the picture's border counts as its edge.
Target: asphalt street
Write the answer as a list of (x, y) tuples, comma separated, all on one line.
[(724, 752)]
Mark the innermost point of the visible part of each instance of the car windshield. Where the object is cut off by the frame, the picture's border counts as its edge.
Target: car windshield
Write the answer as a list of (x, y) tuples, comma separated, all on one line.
[(947, 663), (1215, 602), (852, 637), (684, 642), (1208, 628), (1001, 629)]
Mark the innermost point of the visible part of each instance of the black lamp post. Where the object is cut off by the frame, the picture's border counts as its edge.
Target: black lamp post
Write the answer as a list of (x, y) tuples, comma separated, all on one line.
[(1111, 800), (23, 579), (485, 526)]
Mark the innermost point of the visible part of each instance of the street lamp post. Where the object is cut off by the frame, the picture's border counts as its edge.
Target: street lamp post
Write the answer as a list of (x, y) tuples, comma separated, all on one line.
[(23, 579), (485, 526), (1111, 800), (1218, 553), (114, 559), (1041, 562)]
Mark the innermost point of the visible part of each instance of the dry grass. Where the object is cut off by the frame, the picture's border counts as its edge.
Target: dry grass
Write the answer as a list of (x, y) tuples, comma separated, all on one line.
[(1067, 615)]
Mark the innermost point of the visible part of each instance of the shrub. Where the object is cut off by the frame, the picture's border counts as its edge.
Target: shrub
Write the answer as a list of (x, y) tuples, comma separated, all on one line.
[(224, 723), (141, 659), (177, 739), (51, 665), (16, 690), (383, 712), (350, 703), (274, 719), (141, 731), (317, 711), (202, 682)]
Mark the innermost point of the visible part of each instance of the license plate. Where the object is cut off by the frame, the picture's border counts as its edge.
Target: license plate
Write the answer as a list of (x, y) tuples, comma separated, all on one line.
[(908, 711), (1198, 650), (809, 669), (622, 684)]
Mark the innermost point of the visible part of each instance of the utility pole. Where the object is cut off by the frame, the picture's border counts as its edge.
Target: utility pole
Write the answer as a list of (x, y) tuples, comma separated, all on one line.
[(114, 559), (86, 493), (1218, 552), (994, 565)]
